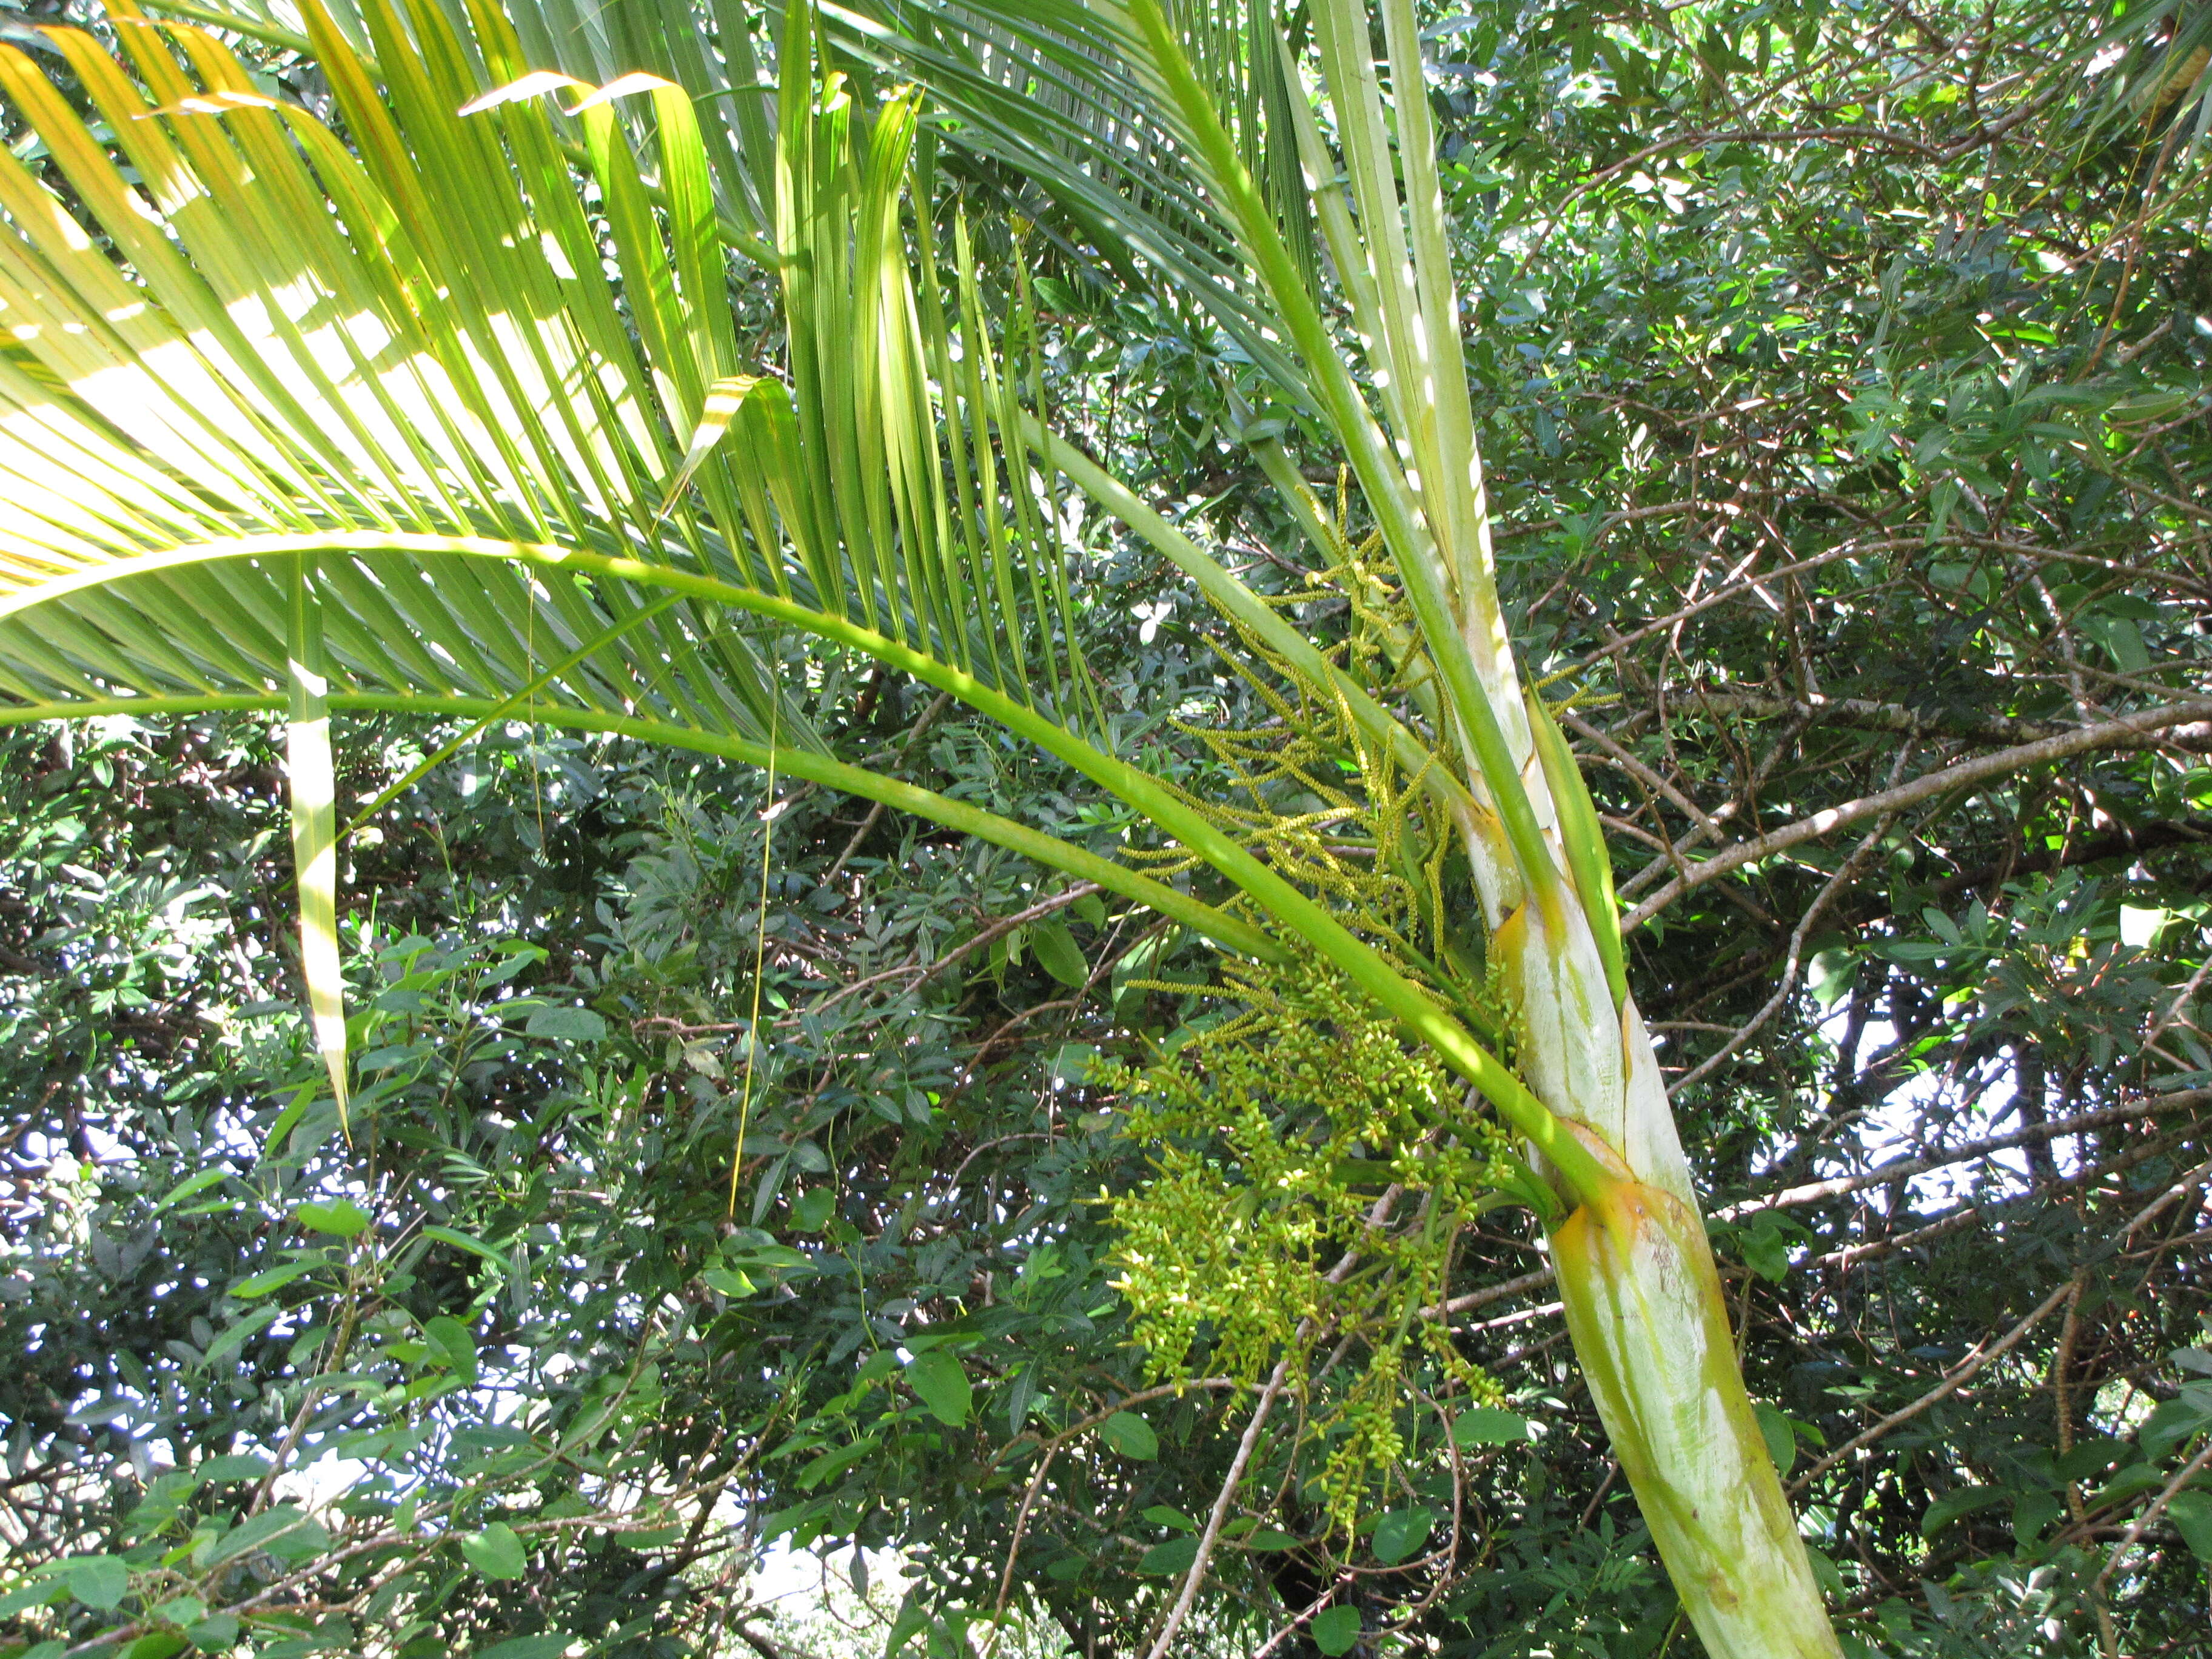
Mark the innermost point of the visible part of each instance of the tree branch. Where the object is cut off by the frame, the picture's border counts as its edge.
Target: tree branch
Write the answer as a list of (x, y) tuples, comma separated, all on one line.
[(1867, 715), (1904, 1169), (1885, 1175), (1954, 1380), (1965, 773)]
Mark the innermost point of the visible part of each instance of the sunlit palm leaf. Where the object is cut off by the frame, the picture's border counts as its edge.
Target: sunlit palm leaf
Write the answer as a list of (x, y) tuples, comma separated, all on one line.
[(281, 367), (1041, 87), (1047, 88), (441, 353), (379, 362), (427, 390)]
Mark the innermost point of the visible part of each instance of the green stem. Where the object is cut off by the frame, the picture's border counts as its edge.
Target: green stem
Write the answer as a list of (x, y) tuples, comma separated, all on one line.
[(1250, 611), (1050, 850), (1412, 1007), (1410, 544)]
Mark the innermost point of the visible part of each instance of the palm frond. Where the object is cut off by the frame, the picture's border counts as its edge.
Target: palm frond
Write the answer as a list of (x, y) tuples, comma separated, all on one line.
[(401, 397), (439, 351), (1043, 88), (247, 422)]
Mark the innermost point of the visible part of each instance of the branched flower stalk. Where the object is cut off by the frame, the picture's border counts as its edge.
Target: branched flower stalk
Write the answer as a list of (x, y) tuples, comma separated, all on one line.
[(1297, 1119)]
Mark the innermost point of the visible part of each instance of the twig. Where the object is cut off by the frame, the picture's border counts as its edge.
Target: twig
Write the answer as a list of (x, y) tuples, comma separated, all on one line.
[(1490, 1293), (1980, 769), (1298, 1622), (1954, 1380), (1219, 1513), (1051, 1448), (2196, 1177), (1377, 1215), (2156, 1508), (914, 736), (1864, 715), (1794, 960), (995, 931), (1883, 1176), (1904, 1169), (1589, 1512)]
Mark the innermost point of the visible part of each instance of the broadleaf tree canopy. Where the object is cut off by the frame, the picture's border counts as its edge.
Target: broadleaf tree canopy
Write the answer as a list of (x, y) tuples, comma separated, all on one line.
[(1839, 384)]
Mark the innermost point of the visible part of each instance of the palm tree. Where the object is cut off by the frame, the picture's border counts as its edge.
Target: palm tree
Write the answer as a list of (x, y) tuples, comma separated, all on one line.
[(291, 422)]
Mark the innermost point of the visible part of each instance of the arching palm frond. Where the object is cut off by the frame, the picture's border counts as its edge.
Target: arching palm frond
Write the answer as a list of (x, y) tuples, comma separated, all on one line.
[(1043, 88), (384, 433), (280, 425)]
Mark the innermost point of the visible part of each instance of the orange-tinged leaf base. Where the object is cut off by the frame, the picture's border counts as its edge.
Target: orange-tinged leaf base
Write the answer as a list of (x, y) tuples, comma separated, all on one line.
[(1645, 1309)]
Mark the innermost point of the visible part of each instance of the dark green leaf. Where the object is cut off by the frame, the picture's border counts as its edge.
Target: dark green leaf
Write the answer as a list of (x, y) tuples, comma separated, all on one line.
[(274, 1279), (97, 1580), (574, 1024), (937, 1377), (550, 1645), (2191, 1514), (462, 1241), (342, 1217), (1765, 1249), (234, 1466), (2181, 1418), (1954, 1504), (1335, 1629), (453, 1340), (285, 1530), (1400, 1532), (1165, 1560), (35, 1591), (729, 1282), (198, 1183), (1489, 1426), (1057, 952), (1131, 1436), (1781, 1438), (496, 1552), (216, 1633)]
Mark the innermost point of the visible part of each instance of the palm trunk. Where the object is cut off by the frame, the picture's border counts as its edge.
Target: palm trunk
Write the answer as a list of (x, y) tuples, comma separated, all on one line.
[(1645, 1313), (1642, 1296), (1643, 1308)]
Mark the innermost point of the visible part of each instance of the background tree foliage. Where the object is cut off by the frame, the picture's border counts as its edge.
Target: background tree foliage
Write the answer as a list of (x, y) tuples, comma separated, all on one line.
[(1841, 375)]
